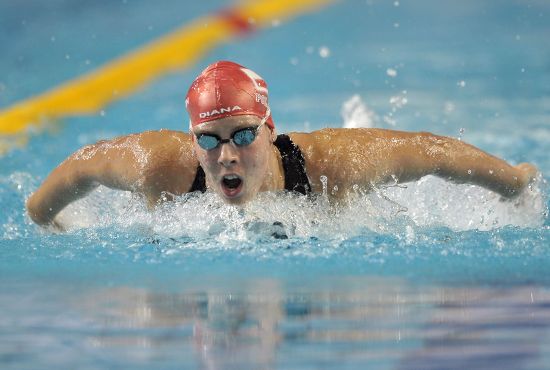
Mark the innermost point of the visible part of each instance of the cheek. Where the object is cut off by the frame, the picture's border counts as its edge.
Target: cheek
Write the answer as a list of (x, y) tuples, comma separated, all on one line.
[(208, 167), (206, 160), (255, 160), (210, 160)]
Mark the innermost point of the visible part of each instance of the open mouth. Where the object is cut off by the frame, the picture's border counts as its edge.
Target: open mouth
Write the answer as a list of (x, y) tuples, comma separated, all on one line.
[(232, 181), (231, 185)]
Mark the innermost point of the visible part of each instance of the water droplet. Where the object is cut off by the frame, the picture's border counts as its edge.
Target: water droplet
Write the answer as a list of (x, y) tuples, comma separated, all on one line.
[(324, 52), (389, 120), (324, 181), (449, 107), (398, 101)]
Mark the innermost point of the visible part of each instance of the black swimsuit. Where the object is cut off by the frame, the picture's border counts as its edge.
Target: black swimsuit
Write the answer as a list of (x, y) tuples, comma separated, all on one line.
[(293, 164)]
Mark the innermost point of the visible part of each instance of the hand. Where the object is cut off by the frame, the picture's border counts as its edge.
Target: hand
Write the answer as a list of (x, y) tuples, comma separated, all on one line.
[(528, 171)]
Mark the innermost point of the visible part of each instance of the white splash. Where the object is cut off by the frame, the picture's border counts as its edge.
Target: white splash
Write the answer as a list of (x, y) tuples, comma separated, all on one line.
[(391, 209), (432, 201), (355, 113)]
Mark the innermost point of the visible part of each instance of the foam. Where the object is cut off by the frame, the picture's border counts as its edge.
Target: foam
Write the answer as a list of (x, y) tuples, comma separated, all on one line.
[(355, 113), (430, 202)]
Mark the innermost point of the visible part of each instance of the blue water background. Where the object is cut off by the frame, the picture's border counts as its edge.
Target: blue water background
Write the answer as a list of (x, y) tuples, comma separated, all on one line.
[(114, 294)]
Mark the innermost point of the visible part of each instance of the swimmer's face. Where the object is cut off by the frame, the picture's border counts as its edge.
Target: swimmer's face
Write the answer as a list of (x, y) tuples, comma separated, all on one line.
[(235, 172)]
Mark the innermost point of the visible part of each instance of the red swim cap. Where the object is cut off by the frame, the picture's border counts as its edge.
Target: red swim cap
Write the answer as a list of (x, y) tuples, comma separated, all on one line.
[(227, 89)]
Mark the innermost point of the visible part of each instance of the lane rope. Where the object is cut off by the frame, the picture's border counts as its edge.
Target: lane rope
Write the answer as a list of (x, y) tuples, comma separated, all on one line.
[(177, 50)]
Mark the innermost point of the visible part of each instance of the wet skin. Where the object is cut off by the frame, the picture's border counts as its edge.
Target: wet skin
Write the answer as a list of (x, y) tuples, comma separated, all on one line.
[(160, 164)]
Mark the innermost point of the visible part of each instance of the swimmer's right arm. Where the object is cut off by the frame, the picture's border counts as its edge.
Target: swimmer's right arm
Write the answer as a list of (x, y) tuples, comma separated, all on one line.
[(151, 163), (103, 163)]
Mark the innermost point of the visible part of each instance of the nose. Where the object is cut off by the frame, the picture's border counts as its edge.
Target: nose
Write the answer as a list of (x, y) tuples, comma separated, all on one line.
[(228, 155)]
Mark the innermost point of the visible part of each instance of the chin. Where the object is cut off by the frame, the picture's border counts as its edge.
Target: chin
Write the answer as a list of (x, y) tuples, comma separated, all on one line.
[(237, 201), (240, 199), (234, 201)]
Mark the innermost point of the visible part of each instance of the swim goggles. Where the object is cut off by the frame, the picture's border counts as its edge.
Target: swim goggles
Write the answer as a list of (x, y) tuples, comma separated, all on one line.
[(241, 137)]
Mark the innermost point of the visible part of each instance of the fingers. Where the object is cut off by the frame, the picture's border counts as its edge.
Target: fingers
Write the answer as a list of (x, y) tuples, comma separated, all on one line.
[(529, 172)]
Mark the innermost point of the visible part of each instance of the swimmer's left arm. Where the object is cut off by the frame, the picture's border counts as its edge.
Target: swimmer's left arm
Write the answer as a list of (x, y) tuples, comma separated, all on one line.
[(367, 158), (420, 154)]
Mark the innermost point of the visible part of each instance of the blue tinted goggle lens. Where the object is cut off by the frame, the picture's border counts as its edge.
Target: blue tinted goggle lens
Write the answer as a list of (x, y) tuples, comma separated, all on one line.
[(242, 137), (208, 142)]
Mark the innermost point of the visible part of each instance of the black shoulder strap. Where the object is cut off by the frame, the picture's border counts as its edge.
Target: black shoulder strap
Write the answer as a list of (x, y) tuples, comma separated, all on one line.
[(294, 165), (199, 184)]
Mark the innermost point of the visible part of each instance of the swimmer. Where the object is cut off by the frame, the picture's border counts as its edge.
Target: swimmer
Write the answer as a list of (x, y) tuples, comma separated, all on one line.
[(233, 150)]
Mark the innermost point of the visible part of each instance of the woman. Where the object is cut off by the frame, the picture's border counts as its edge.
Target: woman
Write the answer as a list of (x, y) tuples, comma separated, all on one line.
[(233, 149)]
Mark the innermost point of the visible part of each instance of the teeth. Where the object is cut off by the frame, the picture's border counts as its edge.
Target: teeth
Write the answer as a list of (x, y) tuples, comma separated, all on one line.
[(231, 177)]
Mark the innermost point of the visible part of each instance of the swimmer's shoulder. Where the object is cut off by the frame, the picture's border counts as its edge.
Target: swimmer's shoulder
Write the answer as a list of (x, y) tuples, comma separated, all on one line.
[(148, 139), (163, 138), (168, 147), (152, 149), (331, 138), (332, 152), (161, 144), (171, 166)]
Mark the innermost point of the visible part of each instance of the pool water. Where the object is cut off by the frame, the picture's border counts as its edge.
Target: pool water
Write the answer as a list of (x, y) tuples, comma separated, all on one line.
[(430, 275)]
